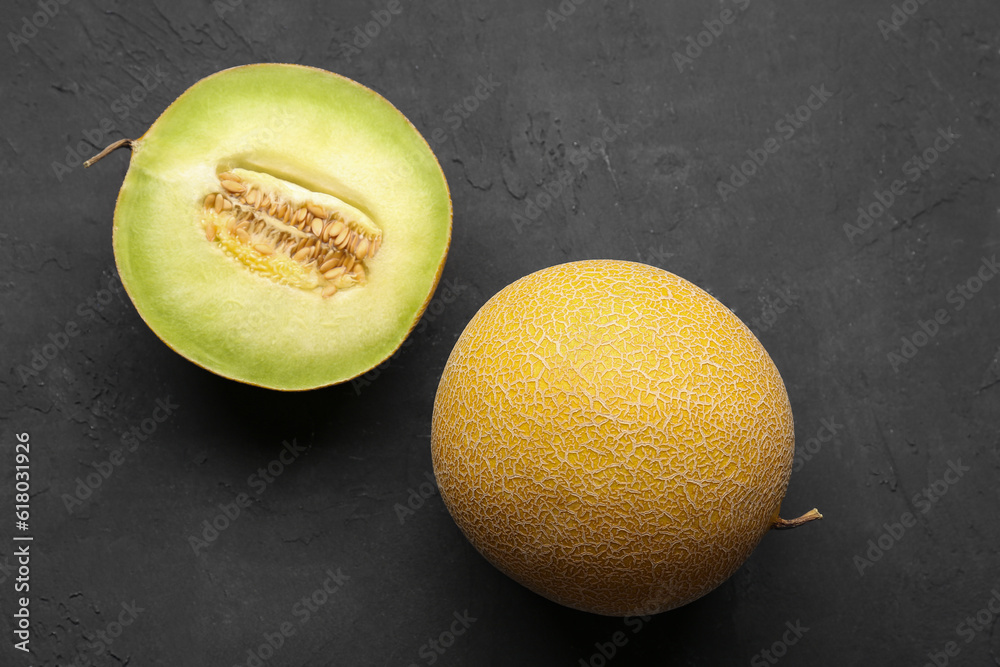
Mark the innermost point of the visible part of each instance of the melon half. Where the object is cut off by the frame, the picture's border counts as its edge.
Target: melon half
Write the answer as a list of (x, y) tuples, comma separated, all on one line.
[(281, 225), (612, 437)]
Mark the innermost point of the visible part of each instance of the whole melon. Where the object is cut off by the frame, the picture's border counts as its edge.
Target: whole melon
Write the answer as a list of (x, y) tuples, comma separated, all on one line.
[(612, 437)]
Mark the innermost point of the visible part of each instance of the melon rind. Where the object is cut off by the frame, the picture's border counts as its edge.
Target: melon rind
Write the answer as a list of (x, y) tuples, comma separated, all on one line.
[(612, 437)]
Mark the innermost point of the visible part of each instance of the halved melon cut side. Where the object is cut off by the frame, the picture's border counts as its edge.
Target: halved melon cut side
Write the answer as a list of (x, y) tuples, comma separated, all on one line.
[(282, 226)]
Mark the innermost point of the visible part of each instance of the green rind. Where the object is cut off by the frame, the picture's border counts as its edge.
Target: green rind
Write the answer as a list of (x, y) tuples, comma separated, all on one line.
[(344, 138)]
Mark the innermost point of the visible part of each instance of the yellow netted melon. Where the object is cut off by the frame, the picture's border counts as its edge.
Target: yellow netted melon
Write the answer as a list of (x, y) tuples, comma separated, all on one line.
[(612, 437)]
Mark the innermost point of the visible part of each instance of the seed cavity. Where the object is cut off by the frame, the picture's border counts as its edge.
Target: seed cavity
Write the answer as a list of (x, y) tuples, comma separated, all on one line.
[(311, 240)]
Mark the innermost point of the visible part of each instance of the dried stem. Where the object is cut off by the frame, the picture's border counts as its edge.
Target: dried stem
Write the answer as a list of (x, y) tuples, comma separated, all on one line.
[(113, 147), (811, 515)]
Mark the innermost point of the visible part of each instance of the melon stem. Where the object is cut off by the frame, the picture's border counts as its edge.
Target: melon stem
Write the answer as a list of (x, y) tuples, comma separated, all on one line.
[(113, 147), (811, 515)]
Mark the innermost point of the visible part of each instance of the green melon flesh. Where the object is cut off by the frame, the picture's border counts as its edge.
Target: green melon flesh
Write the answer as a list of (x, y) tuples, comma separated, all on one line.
[(312, 129)]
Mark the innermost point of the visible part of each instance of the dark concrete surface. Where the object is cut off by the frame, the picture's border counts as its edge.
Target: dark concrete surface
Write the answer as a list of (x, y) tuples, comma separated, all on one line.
[(900, 572)]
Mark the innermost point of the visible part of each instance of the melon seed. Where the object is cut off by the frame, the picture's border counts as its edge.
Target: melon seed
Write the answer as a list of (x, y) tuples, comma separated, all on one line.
[(270, 217), (335, 273)]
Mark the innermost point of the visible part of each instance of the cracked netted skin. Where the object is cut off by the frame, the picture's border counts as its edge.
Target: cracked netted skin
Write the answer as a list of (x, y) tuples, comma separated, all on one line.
[(612, 437)]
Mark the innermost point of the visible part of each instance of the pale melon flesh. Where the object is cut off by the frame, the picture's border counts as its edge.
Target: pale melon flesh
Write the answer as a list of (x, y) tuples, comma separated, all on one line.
[(249, 301)]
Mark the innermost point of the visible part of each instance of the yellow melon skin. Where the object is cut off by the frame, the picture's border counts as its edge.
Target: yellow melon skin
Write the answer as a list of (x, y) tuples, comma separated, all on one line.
[(612, 437)]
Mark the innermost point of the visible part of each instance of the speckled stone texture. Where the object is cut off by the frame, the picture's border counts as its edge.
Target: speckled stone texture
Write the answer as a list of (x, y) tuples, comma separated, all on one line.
[(728, 147)]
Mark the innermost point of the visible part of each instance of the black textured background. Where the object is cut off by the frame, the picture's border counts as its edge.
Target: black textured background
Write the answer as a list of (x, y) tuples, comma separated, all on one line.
[(95, 72)]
